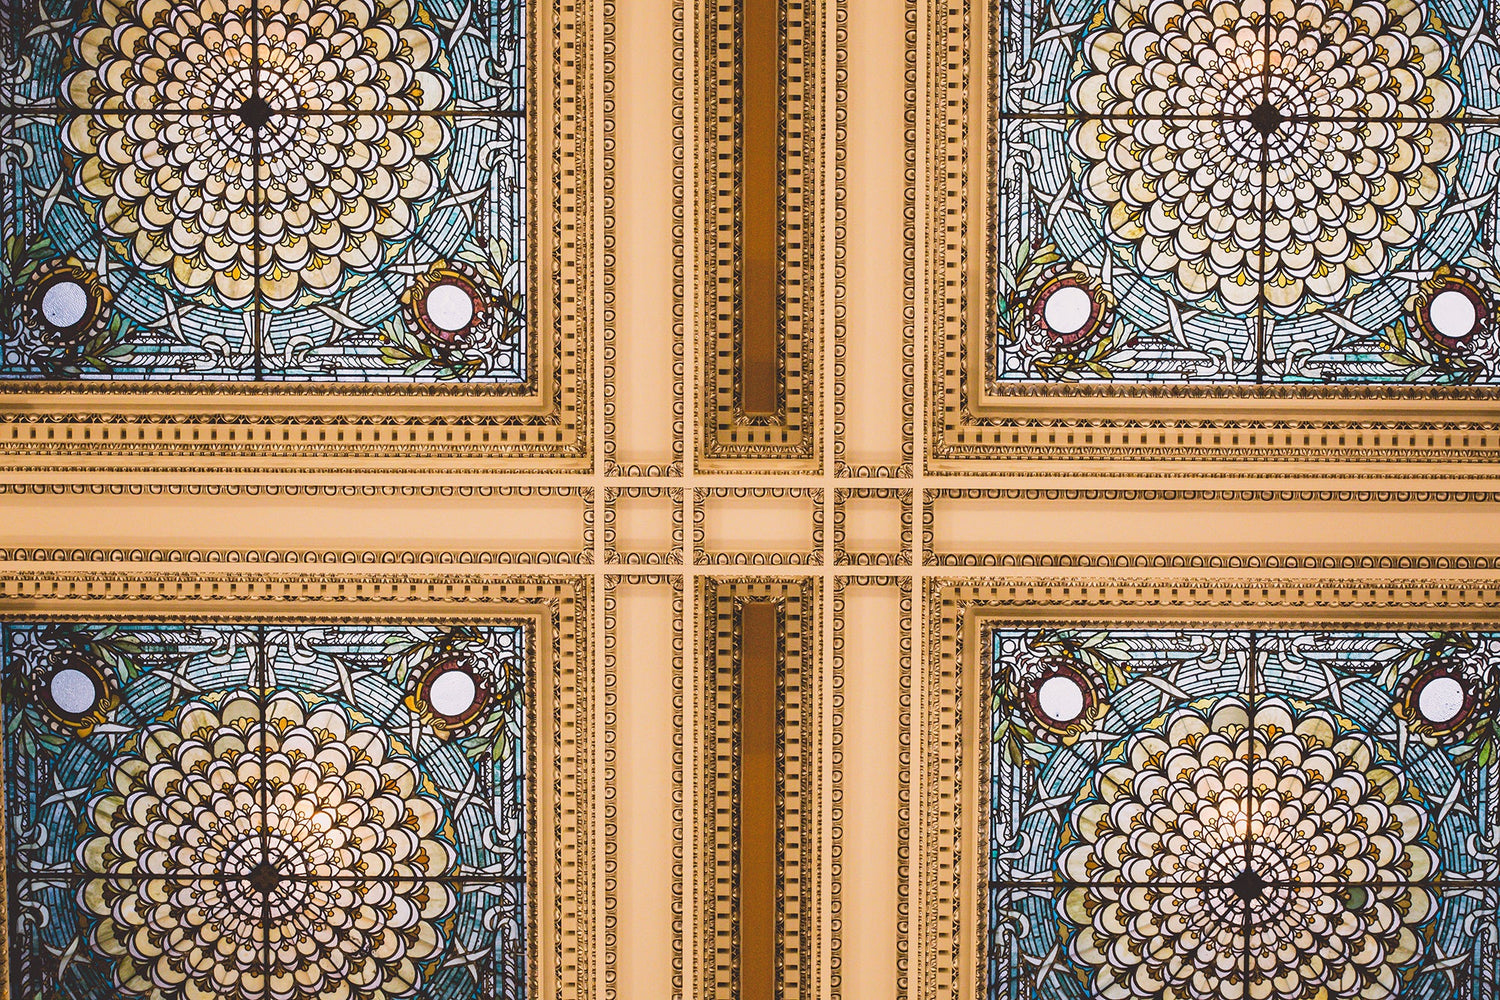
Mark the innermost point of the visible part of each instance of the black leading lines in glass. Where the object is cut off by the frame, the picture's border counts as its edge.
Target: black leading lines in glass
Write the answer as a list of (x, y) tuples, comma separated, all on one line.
[(1239, 800), (412, 840), (256, 113), (370, 157), (1171, 126)]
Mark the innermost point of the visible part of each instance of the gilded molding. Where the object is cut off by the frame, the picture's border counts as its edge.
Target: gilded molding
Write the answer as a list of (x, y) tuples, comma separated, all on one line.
[(1178, 561), (974, 424), (1194, 495), (545, 427), (613, 555), (608, 772), (299, 541), (711, 217), (811, 555), (902, 554), (609, 320), (946, 944), (1406, 537), (835, 749), (842, 468), (712, 965)]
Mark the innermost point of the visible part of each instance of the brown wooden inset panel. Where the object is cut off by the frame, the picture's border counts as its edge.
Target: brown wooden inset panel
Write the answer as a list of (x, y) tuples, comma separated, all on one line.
[(759, 723), (759, 726), (759, 82), (760, 191)]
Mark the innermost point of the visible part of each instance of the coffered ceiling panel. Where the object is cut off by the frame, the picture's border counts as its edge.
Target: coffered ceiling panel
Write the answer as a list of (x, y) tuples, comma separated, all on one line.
[(883, 432)]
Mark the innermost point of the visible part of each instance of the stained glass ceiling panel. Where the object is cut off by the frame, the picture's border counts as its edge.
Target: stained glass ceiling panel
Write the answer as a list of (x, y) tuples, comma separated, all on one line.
[(277, 190), (1257, 192), (240, 811), (1199, 814)]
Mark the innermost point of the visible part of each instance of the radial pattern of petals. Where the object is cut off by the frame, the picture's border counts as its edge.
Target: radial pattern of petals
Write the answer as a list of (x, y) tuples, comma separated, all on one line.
[(286, 147), (1167, 887), (290, 857), (1280, 156)]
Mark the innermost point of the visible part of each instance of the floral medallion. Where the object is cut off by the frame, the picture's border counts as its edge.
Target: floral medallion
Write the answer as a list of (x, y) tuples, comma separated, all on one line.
[(254, 813), (1260, 192), (1265, 157), (278, 177), (1278, 815), (1192, 837), (297, 846)]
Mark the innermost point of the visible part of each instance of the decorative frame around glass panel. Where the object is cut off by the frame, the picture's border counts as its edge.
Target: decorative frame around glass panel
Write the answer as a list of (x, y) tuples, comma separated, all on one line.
[(190, 807), (1206, 813), (1256, 193), (278, 191)]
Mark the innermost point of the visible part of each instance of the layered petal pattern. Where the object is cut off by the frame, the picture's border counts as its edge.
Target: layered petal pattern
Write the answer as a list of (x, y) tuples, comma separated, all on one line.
[(291, 847), (1216, 825), (1265, 155), (283, 148)]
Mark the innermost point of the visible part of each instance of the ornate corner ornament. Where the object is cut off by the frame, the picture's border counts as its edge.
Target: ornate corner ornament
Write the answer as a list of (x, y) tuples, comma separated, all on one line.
[(968, 192), (952, 712), (540, 423), (564, 918)]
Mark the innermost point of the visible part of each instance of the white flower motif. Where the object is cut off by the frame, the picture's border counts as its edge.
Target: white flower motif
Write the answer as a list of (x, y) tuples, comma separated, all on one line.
[(290, 145), (1233, 154), (291, 858), (1183, 850)]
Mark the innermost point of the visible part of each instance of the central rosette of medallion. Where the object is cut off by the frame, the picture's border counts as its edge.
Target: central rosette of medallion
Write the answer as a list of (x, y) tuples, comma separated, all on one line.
[(267, 847), (1263, 156)]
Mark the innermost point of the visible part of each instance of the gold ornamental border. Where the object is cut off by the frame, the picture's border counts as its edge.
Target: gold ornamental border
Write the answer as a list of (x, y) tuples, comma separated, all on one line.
[(711, 216), (974, 426), (565, 694), (711, 736), (945, 947), (841, 670), (207, 427)]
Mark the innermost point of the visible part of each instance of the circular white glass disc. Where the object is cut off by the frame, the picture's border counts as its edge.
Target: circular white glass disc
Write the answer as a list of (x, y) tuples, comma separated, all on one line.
[(1440, 699), (1061, 698), (1067, 310), (453, 693), (72, 691), (449, 307), (65, 303), (1453, 314)]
